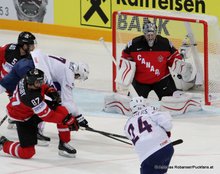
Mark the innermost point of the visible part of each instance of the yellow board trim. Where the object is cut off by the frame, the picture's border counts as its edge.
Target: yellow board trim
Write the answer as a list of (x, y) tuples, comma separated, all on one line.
[(57, 30)]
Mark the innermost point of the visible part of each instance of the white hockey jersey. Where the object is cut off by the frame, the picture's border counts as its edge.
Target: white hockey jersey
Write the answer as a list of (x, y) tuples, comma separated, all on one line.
[(147, 131), (58, 69)]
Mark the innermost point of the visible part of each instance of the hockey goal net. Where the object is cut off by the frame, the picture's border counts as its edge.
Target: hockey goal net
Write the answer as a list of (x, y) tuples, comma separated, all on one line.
[(198, 33)]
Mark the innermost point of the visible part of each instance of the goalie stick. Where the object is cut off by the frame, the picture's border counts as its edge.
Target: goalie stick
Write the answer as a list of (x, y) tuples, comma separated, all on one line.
[(116, 136), (102, 41)]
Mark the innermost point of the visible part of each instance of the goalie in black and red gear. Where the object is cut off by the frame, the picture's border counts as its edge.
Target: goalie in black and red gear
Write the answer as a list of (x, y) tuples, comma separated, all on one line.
[(153, 55), (28, 107)]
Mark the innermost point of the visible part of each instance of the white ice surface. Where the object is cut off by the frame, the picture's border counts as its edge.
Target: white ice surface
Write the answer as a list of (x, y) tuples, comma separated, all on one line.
[(97, 154)]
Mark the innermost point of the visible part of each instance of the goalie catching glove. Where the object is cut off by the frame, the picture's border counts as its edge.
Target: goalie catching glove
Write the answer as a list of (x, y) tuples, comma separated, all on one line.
[(184, 70), (71, 122)]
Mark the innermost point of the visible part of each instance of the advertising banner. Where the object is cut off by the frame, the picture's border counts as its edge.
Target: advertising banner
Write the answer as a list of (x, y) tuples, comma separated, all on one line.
[(93, 18), (35, 10), (94, 13)]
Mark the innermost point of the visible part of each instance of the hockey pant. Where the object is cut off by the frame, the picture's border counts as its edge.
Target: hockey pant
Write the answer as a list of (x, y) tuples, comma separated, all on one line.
[(158, 162), (165, 87)]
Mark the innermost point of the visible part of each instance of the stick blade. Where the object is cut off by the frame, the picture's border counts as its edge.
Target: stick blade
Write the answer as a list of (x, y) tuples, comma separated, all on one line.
[(176, 142)]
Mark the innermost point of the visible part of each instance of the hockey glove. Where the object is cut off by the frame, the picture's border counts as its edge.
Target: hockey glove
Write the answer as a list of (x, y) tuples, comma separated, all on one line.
[(168, 134), (82, 121), (54, 95), (71, 122), (52, 104)]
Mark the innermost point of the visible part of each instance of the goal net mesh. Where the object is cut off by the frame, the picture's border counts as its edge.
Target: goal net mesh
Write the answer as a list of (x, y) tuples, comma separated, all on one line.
[(179, 28)]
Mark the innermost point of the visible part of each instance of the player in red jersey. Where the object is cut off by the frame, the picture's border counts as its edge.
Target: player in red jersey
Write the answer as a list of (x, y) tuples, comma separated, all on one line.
[(11, 53), (153, 55), (28, 107)]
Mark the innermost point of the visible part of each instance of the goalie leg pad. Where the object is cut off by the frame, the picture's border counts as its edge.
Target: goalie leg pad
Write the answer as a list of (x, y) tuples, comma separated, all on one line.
[(126, 72), (117, 103), (180, 105)]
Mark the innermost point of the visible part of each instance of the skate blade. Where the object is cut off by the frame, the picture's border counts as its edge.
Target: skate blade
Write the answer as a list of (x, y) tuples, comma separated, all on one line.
[(65, 154), (43, 143)]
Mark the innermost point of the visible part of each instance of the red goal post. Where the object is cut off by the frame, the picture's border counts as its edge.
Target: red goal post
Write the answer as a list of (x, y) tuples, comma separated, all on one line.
[(137, 18)]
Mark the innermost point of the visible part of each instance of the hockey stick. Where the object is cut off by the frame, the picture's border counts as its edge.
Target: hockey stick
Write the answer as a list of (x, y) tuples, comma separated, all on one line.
[(3, 120), (116, 139), (109, 135), (102, 41), (113, 136), (176, 142), (130, 88), (106, 133)]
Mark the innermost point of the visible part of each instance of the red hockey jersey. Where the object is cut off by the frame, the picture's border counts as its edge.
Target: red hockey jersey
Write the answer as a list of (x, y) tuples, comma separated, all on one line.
[(9, 56), (151, 62), (25, 103)]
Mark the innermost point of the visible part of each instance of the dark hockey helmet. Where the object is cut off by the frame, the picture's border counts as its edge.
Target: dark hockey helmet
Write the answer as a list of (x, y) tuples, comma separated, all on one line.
[(35, 75), (26, 38)]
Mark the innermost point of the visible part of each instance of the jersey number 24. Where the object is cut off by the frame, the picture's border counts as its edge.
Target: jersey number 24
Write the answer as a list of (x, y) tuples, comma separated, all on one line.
[(143, 125)]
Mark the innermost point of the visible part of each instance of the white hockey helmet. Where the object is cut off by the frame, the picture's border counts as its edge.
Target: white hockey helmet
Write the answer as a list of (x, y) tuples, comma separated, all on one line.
[(150, 32), (136, 104), (81, 71)]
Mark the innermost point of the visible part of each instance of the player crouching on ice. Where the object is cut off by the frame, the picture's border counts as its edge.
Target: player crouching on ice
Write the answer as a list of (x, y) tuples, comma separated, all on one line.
[(149, 131), (28, 107)]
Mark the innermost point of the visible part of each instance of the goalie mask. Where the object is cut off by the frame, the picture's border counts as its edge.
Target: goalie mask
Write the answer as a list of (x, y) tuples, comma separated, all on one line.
[(150, 32), (81, 71), (136, 104)]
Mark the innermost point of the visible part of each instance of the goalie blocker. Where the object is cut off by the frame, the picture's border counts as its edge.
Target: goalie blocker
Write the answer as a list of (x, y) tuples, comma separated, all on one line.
[(126, 72)]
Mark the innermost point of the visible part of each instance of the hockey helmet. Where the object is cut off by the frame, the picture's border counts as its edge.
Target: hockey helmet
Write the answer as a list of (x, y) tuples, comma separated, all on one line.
[(35, 75), (150, 32), (81, 71), (26, 38), (149, 27), (136, 104)]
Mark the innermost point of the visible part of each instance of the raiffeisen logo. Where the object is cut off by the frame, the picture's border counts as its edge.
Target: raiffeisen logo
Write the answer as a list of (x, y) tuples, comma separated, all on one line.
[(96, 13), (197, 6)]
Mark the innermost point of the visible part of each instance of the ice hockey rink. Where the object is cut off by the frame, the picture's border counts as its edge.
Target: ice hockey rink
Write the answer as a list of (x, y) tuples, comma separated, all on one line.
[(97, 154)]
